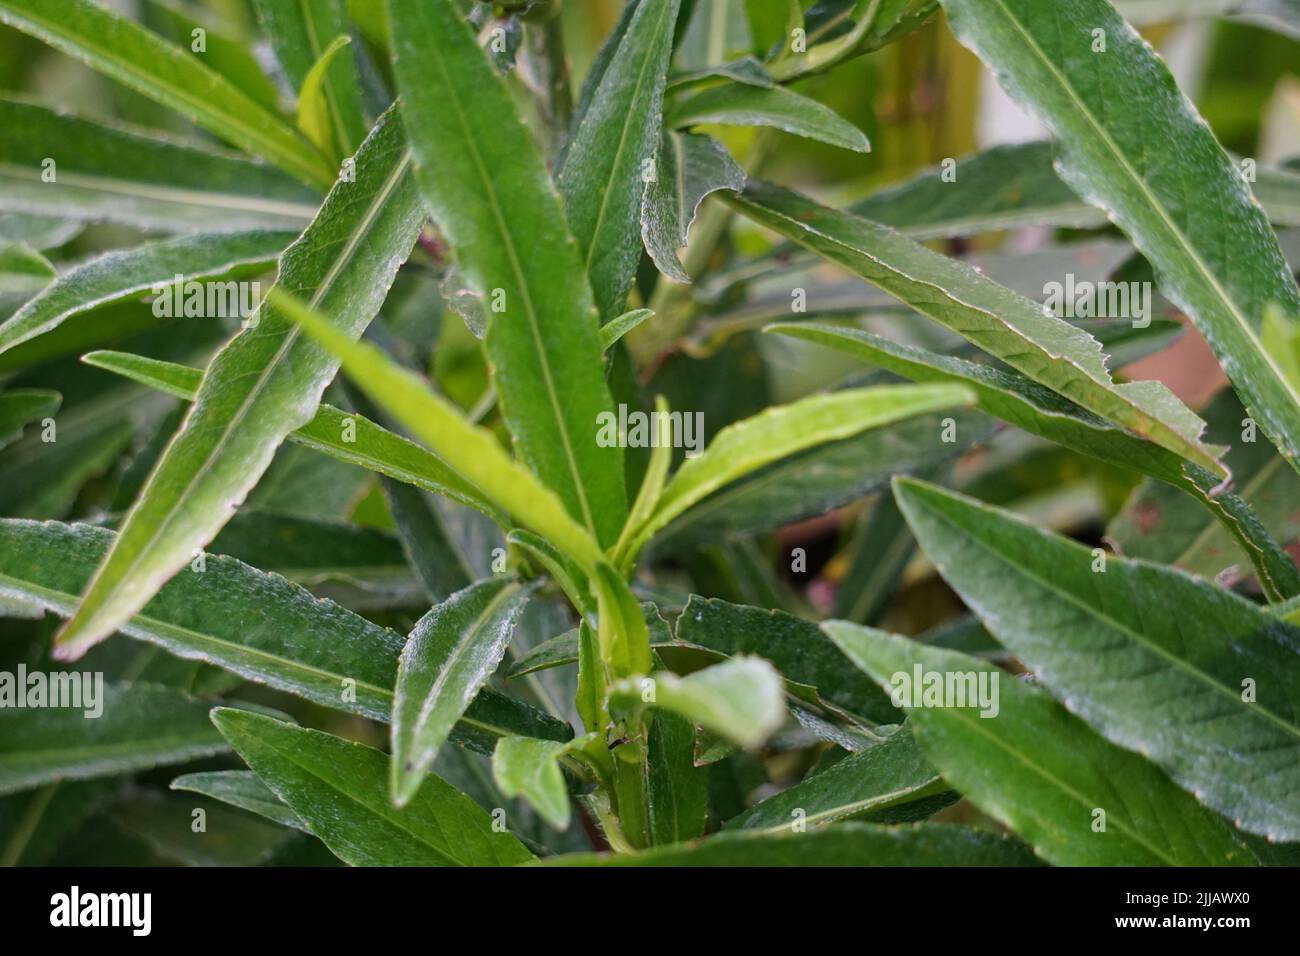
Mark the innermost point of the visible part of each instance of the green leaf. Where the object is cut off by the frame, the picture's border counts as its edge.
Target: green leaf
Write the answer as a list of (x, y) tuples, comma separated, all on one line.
[(677, 793), (23, 273), (1047, 349), (21, 406), (473, 451), (1159, 173), (606, 160), (797, 648), (529, 768), (487, 188), (315, 118), (741, 699), (571, 578), (785, 430), (616, 328), (875, 23), (1025, 404), (243, 789), (1161, 524), (127, 273), (119, 175), (374, 448), (739, 104), (340, 790), (563, 648), (623, 635), (302, 35), (687, 169), (1039, 770), (448, 657), (1210, 694), (262, 386), (138, 726), (850, 844), (138, 58), (426, 542), (283, 637), (886, 776)]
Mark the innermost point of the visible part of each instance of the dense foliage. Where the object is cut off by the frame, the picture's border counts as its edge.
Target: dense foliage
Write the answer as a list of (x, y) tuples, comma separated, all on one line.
[(420, 495)]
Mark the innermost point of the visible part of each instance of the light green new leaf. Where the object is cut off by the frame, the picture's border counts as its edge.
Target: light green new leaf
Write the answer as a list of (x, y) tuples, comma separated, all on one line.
[(263, 385), (449, 656), (136, 57), (487, 187), (125, 273), (302, 36), (373, 447), (473, 451), (1210, 693), (120, 175), (616, 328), (687, 169), (243, 789), (140, 726), (251, 623), (529, 768), (785, 430), (888, 776), (609, 153), (315, 118), (1047, 349), (622, 633), (1039, 770), (850, 844), (340, 790), (738, 104), (1040, 411), (20, 406), (23, 273), (1156, 168), (741, 699)]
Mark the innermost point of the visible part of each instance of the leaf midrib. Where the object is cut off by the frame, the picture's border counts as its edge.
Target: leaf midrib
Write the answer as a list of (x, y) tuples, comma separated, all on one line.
[(508, 243), (1187, 667), (291, 335), (1179, 236)]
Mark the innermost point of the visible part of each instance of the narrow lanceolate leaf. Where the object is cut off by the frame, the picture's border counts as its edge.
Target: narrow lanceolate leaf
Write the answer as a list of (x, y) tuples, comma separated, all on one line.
[(1159, 173), (135, 727), (737, 104), (448, 657), (118, 175), (138, 58), (251, 623), (23, 273), (1211, 693), (20, 406), (243, 789), (616, 328), (677, 791), (473, 451), (1040, 411), (301, 34), (318, 123), (850, 844), (1159, 524), (687, 169), (1077, 799), (741, 699), (126, 273), (889, 775), (262, 386), (340, 790), (529, 768), (488, 189), (787, 429), (373, 447), (613, 149), (1047, 349)]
